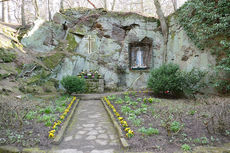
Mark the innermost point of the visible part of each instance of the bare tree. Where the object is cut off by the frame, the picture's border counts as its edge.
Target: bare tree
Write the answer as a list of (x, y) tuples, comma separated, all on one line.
[(142, 6), (3, 11), (164, 27), (36, 8), (8, 12), (61, 4), (49, 12), (174, 2), (23, 13), (113, 5), (91, 3), (105, 4)]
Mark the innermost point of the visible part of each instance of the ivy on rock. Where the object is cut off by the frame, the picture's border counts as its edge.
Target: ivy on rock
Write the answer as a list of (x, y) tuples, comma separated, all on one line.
[(207, 23)]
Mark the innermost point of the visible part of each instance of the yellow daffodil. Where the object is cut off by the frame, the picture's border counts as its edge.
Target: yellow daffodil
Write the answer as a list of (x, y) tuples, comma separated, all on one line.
[(125, 124), (54, 126), (120, 118), (51, 135), (62, 117), (58, 122), (114, 110), (64, 114), (117, 114), (130, 132), (52, 131), (127, 129)]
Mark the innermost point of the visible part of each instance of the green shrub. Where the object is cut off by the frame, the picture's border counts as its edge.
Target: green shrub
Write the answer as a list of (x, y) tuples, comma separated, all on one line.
[(166, 78), (170, 80), (73, 84), (194, 81)]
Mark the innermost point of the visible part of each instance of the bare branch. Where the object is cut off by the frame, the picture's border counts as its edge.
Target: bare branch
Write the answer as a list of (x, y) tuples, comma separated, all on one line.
[(91, 3), (4, 0)]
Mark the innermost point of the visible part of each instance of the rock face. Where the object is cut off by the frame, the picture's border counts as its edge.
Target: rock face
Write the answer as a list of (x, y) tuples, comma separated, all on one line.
[(182, 51), (109, 49)]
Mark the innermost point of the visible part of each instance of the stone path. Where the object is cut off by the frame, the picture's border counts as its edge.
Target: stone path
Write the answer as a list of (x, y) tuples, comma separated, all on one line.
[(91, 131)]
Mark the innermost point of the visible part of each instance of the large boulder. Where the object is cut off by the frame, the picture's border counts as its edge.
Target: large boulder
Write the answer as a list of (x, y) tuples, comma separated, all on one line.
[(43, 36)]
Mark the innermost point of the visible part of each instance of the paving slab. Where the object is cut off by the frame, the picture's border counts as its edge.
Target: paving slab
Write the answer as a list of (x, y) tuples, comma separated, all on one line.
[(90, 131)]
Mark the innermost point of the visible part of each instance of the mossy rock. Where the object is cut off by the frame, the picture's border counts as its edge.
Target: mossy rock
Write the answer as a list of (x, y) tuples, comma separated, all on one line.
[(31, 89), (39, 78), (33, 80), (49, 87), (22, 32), (3, 76), (52, 61), (72, 44), (8, 68)]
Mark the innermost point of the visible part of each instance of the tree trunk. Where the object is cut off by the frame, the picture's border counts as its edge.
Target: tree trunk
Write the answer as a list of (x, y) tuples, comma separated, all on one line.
[(36, 9), (164, 28), (142, 6), (61, 4), (131, 6), (8, 12), (23, 13), (174, 2), (113, 5), (105, 4), (49, 12), (3, 11)]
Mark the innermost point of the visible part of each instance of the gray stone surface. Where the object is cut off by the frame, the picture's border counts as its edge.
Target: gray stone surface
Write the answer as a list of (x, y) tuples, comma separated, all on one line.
[(95, 135), (112, 33), (43, 36), (183, 52)]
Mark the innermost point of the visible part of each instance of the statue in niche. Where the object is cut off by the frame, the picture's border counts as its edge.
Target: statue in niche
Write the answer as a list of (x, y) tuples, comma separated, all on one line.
[(139, 59), (140, 55)]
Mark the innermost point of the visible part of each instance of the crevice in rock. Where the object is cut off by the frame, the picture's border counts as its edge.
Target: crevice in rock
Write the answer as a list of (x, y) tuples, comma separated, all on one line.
[(131, 26), (77, 34)]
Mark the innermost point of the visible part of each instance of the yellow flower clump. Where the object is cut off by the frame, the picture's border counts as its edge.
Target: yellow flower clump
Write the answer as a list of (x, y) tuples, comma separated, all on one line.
[(62, 117), (129, 132)]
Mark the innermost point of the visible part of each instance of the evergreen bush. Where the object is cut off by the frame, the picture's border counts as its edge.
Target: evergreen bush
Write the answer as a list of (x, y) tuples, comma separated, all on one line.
[(170, 80), (73, 84), (167, 78)]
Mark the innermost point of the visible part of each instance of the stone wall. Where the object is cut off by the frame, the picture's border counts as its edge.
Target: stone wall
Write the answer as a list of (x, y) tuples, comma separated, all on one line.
[(112, 33), (95, 85)]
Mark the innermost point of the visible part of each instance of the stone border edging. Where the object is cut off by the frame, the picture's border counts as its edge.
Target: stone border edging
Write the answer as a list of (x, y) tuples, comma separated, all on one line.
[(116, 125), (58, 138)]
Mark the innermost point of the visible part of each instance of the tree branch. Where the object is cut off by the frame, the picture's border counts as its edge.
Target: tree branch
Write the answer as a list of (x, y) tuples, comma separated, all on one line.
[(91, 3), (4, 0)]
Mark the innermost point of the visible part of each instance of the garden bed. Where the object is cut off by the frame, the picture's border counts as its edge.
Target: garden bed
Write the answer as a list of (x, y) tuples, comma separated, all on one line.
[(170, 125), (36, 119)]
